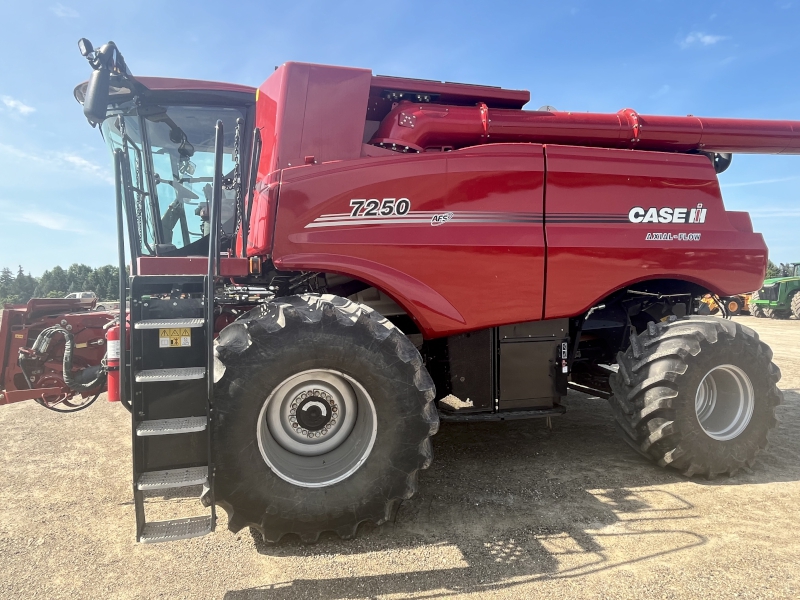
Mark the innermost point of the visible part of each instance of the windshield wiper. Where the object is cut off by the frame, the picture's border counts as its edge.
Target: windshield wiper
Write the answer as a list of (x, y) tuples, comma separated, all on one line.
[(182, 193)]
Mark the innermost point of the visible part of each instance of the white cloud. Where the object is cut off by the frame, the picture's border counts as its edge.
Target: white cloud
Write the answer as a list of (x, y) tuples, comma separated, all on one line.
[(86, 166), (41, 216), (775, 213), (759, 182), (662, 91), (45, 219), (17, 106), (64, 12), (698, 37), (63, 161)]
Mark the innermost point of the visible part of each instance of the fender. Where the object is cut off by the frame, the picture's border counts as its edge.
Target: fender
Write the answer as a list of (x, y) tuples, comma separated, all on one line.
[(434, 315)]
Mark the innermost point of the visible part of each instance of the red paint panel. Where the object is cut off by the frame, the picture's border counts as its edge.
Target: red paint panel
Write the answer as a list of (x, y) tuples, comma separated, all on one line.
[(483, 266), (168, 83), (262, 216), (594, 249), (311, 110), (304, 110)]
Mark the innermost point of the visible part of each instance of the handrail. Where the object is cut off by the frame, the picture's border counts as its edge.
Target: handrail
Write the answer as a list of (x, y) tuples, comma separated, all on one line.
[(119, 158), (255, 156), (213, 273), (127, 187), (213, 254)]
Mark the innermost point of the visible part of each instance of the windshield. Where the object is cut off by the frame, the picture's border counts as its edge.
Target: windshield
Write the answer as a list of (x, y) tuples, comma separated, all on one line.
[(171, 153)]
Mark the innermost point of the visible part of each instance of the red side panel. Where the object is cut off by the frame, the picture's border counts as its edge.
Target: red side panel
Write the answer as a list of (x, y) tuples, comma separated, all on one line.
[(305, 113), (598, 243), (467, 254), (315, 111), (262, 217)]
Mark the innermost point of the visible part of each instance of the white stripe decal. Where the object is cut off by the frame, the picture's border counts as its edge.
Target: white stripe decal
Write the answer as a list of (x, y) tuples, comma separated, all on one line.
[(422, 217)]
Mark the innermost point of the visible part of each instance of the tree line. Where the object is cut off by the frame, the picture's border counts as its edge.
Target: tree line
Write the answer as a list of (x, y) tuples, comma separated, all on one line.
[(58, 282), (782, 270)]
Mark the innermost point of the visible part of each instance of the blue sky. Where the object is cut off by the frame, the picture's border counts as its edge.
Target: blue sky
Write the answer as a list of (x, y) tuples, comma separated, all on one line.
[(736, 59)]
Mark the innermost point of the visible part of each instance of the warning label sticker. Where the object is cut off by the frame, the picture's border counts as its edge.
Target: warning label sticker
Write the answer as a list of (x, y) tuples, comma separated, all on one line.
[(175, 338)]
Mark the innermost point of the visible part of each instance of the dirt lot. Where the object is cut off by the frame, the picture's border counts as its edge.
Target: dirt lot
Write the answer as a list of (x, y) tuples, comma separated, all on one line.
[(510, 510)]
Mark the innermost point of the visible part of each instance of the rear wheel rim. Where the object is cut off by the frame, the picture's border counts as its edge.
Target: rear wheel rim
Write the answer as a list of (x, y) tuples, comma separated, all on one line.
[(316, 428), (724, 402)]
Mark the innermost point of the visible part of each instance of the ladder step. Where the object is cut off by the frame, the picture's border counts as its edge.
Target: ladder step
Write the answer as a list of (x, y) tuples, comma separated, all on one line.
[(172, 478), (171, 426), (183, 374), (179, 529), (168, 323)]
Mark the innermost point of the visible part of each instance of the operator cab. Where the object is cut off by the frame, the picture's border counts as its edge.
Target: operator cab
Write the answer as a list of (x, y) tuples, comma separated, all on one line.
[(166, 130)]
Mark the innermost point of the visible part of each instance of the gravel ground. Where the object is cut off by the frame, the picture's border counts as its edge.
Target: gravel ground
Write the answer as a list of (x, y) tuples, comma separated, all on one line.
[(507, 510)]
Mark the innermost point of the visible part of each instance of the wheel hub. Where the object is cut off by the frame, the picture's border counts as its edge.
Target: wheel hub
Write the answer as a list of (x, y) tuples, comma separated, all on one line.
[(724, 402), (317, 428), (314, 412)]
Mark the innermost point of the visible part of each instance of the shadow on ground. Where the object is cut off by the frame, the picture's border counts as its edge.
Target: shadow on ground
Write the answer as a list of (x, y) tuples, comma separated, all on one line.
[(512, 503)]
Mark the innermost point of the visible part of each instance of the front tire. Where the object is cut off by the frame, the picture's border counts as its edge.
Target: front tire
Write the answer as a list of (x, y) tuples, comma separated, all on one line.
[(756, 310), (696, 394), (324, 418)]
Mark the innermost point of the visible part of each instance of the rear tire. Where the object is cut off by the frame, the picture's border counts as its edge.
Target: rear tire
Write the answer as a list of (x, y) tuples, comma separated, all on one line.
[(696, 394), (796, 305), (331, 476)]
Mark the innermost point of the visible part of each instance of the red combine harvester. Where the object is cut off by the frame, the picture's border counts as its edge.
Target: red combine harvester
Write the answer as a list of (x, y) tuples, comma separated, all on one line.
[(325, 267)]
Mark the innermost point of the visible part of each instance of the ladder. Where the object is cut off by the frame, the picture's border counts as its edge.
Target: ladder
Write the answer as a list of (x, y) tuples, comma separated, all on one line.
[(170, 392), (167, 376)]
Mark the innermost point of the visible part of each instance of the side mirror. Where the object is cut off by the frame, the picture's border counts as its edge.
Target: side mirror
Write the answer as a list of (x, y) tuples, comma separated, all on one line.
[(95, 102), (85, 46)]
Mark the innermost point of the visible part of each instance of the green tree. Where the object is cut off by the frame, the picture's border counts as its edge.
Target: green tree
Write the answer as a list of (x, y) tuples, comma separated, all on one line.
[(772, 270), (23, 286), (6, 284)]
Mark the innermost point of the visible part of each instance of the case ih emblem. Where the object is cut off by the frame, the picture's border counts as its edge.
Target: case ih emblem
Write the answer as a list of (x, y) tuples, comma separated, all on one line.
[(441, 219), (667, 215)]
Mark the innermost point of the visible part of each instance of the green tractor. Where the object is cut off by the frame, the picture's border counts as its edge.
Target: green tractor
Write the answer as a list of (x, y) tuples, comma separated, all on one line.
[(778, 298)]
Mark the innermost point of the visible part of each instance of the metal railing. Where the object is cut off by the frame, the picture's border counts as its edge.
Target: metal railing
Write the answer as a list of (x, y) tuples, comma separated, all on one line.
[(214, 271), (120, 164)]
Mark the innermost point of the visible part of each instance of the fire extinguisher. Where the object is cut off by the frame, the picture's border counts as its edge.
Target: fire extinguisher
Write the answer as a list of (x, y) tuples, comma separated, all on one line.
[(112, 362)]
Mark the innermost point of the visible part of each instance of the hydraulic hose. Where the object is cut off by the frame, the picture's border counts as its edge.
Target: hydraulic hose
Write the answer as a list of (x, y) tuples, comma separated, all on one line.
[(40, 348)]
